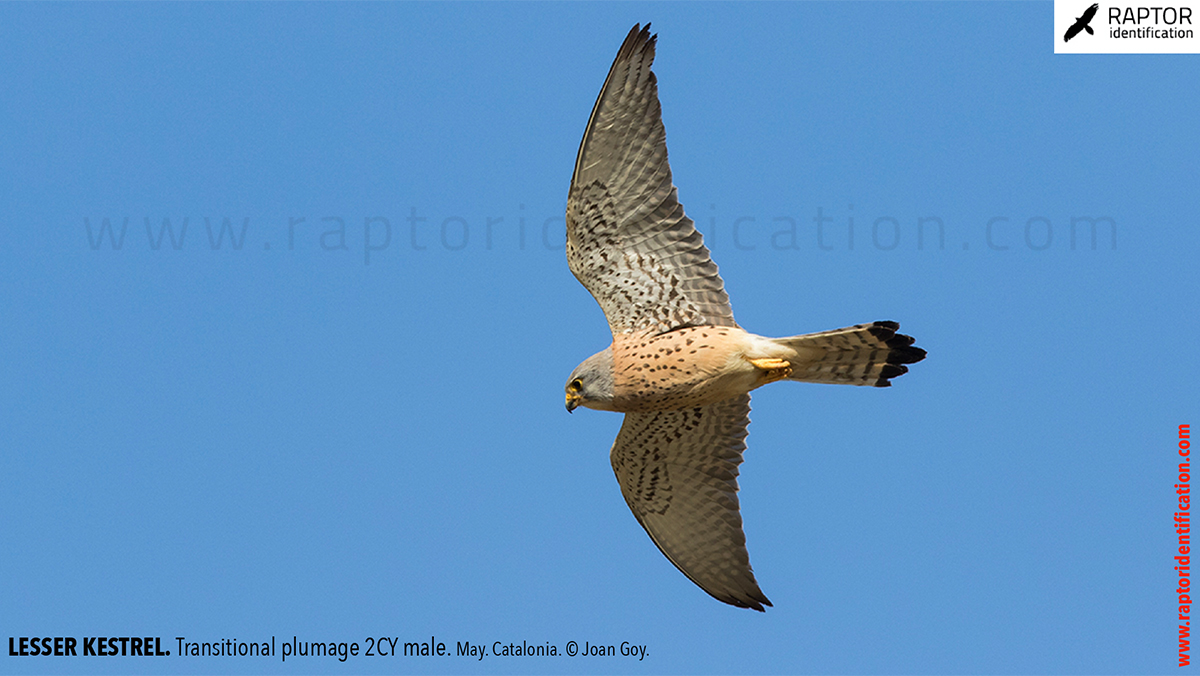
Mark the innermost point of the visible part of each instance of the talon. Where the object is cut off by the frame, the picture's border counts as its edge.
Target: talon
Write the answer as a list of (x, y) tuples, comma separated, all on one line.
[(771, 364), (773, 369)]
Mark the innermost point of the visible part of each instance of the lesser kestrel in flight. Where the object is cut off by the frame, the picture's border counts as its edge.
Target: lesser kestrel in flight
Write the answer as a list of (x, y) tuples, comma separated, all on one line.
[(679, 367)]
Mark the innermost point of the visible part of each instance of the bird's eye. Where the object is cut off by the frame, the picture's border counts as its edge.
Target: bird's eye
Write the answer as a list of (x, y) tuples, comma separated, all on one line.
[(576, 385)]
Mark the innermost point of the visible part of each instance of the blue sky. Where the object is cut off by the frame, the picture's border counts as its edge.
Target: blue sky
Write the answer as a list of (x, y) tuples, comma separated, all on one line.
[(341, 417)]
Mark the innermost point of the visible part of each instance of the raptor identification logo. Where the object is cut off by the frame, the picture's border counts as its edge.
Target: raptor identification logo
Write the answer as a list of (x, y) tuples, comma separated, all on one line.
[(1126, 27)]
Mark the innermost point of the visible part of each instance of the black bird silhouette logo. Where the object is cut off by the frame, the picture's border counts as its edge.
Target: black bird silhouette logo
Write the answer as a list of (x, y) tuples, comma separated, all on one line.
[(1081, 24)]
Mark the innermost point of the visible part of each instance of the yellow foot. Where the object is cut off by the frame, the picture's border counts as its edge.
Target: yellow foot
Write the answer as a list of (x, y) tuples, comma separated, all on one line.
[(773, 369)]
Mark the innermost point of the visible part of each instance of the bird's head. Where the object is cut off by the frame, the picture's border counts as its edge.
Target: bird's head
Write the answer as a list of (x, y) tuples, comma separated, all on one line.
[(591, 383)]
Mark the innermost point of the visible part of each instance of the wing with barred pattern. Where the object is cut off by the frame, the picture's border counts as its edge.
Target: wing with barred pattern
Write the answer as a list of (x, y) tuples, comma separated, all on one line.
[(678, 472), (628, 240)]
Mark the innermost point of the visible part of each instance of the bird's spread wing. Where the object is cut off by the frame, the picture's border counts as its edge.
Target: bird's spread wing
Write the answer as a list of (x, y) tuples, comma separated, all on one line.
[(678, 472), (628, 240)]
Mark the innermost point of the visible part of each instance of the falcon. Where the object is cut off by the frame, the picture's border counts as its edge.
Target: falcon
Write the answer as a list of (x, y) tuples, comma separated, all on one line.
[(679, 367)]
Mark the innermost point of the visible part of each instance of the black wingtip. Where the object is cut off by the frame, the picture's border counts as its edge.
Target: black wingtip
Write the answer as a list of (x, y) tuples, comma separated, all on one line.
[(753, 599), (751, 603), (638, 36), (759, 601)]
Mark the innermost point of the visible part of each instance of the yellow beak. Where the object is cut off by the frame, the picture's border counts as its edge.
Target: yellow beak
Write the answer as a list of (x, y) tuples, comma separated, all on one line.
[(572, 402)]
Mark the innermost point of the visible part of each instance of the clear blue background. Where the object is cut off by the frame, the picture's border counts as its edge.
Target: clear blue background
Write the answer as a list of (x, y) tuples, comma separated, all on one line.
[(285, 436)]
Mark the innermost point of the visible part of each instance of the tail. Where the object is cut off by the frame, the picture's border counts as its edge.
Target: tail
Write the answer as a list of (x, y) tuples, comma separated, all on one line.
[(867, 354)]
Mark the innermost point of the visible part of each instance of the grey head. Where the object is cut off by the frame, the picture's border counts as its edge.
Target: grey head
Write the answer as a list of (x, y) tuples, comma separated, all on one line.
[(591, 383)]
